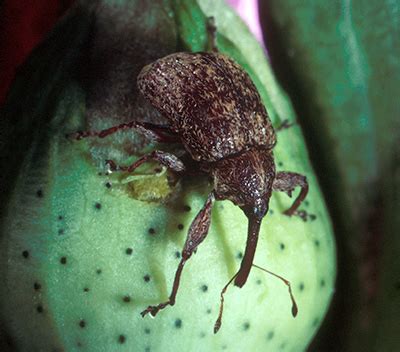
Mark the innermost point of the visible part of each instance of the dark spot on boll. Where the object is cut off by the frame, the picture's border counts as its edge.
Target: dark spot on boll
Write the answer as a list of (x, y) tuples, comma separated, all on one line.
[(121, 338), (239, 255), (39, 308), (316, 243), (187, 208), (151, 231), (301, 286), (282, 246), (246, 326), (258, 282), (177, 254), (146, 278), (108, 184), (147, 331), (79, 344), (282, 346), (39, 193), (271, 212), (25, 254), (270, 335), (126, 299), (63, 260), (322, 283), (313, 217), (86, 289), (37, 286), (315, 322), (178, 323), (224, 347), (306, 202), (202, 334), (208, 311), (60, 217), (82, 323), (61, 231), (97, 206), (180, 226), (147, 349), (129, 251), (204, 288), (99, 271), (280, 163)]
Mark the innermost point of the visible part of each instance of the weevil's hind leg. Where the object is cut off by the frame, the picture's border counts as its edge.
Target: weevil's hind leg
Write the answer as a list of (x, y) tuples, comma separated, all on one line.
[(159, 133), (285, 125), (287, 182), (169, 160), (197, 233), (211, 34)]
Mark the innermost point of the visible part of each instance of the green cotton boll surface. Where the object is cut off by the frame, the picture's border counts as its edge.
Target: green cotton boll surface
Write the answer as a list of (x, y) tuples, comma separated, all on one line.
[(84, 251)]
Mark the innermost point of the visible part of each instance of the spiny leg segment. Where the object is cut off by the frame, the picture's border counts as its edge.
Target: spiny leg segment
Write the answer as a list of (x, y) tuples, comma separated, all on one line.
[(287, 182), (197, 233)]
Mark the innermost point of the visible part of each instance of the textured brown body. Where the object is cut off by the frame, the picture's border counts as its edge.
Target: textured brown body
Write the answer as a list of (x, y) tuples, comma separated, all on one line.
[(214, 110), (210, 102)]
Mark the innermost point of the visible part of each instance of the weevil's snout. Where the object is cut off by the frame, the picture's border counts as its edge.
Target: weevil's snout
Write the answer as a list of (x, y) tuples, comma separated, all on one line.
[(246, 179)]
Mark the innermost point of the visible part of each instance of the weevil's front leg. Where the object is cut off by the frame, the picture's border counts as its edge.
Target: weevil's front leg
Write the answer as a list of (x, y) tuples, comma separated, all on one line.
[(159, 133), (286, 182), (169, 160), (197, 233)]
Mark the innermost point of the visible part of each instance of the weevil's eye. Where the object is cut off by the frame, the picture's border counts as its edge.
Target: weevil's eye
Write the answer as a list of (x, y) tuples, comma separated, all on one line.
[(260, 208)]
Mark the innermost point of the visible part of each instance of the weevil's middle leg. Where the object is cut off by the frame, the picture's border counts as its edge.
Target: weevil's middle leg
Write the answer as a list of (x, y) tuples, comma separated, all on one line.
[(159, 133), (285, 125), (167, 159), (197, 233), (211, 34), (287, 182)]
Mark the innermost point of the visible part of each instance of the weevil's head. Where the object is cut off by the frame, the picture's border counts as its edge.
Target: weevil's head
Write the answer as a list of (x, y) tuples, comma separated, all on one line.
[(246, 180)]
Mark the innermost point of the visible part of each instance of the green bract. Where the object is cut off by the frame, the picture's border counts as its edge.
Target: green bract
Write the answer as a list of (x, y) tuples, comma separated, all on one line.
[(83, 252)]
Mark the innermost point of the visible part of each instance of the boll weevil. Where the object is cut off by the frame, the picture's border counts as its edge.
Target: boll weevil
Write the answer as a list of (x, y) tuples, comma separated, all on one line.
[(215, 111)]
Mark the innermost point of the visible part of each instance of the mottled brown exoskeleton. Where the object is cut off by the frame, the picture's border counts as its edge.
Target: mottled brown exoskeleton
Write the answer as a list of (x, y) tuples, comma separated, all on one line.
[(216, 113)]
